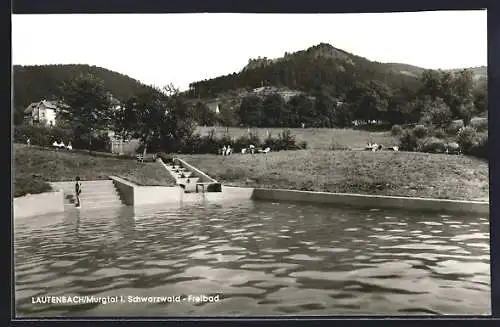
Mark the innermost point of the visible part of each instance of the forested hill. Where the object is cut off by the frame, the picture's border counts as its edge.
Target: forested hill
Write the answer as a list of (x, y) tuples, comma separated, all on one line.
[(33, 83), (319, 68)]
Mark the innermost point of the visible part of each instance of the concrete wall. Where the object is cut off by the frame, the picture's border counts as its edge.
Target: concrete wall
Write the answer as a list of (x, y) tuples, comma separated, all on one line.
[(213, 185), (157, 195), (125, 188), (151, 195), (136, 195), (372, 201), (38, 204)]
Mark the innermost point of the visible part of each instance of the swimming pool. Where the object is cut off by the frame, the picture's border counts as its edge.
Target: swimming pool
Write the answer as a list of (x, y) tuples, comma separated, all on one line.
[(259, 258)]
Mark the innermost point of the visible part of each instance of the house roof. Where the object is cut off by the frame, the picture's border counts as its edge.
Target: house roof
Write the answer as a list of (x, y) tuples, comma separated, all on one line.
[(30, 108), (47, 104)]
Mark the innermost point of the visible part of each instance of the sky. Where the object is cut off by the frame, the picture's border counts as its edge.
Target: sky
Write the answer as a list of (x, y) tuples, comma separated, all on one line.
[(158, 49)]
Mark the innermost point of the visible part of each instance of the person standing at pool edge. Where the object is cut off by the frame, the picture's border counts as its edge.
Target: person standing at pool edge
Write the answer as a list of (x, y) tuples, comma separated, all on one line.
[(78, 191)]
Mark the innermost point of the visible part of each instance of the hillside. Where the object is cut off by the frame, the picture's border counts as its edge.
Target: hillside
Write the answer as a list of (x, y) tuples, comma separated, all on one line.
[(319, 68), (32, 83)]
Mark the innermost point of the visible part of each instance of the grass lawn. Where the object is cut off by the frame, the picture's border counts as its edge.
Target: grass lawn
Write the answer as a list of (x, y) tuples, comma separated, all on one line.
[(381, 173), (316, 138), (38, 165)]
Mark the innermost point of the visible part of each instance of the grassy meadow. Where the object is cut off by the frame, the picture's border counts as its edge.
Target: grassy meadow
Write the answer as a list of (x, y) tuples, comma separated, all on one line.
[(33, 167), (410, 174), (316, 138)]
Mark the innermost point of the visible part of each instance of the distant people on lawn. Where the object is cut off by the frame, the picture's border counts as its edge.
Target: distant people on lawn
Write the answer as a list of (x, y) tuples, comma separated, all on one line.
[(226, 150), (28, 141), (78, 191), (62, 145)]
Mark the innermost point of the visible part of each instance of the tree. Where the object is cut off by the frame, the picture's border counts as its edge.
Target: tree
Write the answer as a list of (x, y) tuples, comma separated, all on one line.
[(273, 111), (462, 98), (301, 110), (250, 111), (203, 115), (342, 115), (369, 101), (437, 113), (480, 95), (161, 120), (85, 105), (324, 108), (142, 116), (400, 109), (18, 113), (456, 89)]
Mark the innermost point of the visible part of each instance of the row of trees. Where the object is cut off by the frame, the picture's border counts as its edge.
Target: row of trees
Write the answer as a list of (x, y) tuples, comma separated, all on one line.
[(159, 118), (442, 97)]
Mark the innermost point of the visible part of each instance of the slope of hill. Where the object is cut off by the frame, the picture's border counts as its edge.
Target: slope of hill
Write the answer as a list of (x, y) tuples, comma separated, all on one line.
[(32, 83), (405, 69), (321, 67), (479, 73)]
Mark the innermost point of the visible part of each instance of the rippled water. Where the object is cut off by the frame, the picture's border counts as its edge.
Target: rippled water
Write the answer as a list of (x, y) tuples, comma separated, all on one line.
[(261, 258)]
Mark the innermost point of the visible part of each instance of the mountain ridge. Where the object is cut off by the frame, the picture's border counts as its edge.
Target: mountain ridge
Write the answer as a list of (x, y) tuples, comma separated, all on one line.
[(320, 66), (32, 83)]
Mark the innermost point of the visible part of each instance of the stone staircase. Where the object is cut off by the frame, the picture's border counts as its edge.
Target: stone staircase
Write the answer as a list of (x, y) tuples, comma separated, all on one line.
[(183, 177), (95, 194)]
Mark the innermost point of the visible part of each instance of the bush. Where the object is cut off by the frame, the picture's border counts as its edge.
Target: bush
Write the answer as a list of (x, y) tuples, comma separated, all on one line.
[(466, 137), (480, 147), (46, 136), (38, 135), (286, 141), (303, 145), (481, 125), (431, 145), (166, 158), (408, 141), (396, 130), (211, 144), (420, 131), (30, 184), (440, 133), (99, 142), (245, 141), (454, 127), (437, 113)]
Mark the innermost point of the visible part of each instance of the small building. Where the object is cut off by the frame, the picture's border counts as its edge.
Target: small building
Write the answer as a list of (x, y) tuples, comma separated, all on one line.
[(42, 113), (213, 106), (120, 146)]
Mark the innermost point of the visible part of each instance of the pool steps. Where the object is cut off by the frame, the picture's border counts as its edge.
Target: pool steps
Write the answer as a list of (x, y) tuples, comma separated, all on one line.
[(95, 194), (189, 178)]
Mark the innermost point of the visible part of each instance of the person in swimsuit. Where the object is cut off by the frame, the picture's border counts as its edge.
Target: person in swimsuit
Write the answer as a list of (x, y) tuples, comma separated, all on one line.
[(78, 191)]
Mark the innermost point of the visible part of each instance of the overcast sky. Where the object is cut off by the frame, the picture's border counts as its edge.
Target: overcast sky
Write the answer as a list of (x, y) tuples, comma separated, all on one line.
[(183, 48)]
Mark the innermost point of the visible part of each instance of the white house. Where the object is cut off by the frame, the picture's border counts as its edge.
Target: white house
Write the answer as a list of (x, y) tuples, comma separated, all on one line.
[(43, 112), (213, 106)]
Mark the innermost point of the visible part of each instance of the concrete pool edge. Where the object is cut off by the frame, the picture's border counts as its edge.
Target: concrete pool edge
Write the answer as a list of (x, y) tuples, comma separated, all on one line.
[(361, 200), (372, 201), (137, 195), (38, 204)]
